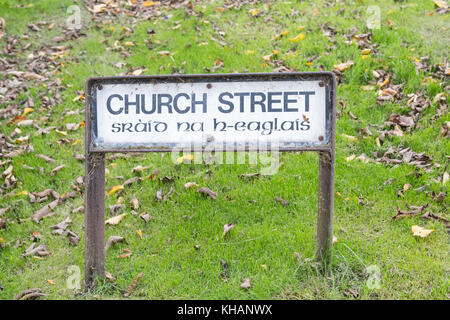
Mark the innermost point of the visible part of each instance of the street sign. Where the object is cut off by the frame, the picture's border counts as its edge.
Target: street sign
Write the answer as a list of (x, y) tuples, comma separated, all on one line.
[(221, 112)]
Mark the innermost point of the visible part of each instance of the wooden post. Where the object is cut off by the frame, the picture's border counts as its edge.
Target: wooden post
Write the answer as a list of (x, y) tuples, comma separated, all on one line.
[(94, 222), (325, 207)]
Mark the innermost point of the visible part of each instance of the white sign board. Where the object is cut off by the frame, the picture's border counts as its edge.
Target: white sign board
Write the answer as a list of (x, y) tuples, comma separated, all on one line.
[(290, 113)]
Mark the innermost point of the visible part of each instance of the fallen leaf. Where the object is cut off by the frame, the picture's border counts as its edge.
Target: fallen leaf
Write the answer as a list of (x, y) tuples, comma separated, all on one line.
[(245, 283), (186, 158), (114, 189), (208, 192), (132, 286), (227, 228), (112, 240), (135, 203), (190, 185), (115, 220), (421, 232), (343, 66)]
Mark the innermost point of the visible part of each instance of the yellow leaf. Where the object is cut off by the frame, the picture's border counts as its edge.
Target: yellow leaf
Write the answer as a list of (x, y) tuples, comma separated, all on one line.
[(51, 282), (147, 4), (441, 4), (385, 82), (343, 66), (308, 63), (335, 239), (139, 233), (27, 110), (421, 232), (254, 12), (285, 33), (368, 88), (79, 97), (366, 51), (445, 177), (187, 157), (115, 189), (364, 56), (275, 52), (116, 219), (350, 158), (298, 38), (350, 138), (268, 57), (63, 133), (76, 142), (377, 142), (128, 44), (22, 193)]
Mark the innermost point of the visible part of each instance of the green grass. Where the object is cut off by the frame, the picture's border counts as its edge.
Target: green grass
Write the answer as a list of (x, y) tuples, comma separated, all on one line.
[(266, 233)]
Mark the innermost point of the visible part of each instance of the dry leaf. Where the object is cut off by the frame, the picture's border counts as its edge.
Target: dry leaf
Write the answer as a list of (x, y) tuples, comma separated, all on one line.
[(421, 232), (112, 240), (245, 283), (343, 66), (116, 219), (227, 228), (135, 203), (115, 189), (134, 284), (190, 185), (186, 158), (208, 192)]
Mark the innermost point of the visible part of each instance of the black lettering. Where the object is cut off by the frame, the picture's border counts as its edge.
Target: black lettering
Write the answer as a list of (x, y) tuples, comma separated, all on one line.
[(307, 94), (229, 103), (253, 101), (129, 103), (108, 103), (167, 103), (241, 96), (195, 102), (287, 101), (175, 103), (271, 101)]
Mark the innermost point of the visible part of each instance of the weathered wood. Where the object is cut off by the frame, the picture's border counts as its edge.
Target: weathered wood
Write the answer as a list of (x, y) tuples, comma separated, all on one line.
[(94, 218), (94, 203), (325, 207)]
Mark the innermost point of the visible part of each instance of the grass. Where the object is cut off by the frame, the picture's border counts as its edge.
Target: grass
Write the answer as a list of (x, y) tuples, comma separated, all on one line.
[(262, 244)]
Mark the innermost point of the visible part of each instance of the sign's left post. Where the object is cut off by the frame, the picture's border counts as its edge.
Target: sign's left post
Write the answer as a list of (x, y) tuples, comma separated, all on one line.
[(94, 206)]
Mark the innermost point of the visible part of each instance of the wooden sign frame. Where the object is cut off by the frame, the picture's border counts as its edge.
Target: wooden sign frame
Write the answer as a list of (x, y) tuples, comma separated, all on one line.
[(95, 160)]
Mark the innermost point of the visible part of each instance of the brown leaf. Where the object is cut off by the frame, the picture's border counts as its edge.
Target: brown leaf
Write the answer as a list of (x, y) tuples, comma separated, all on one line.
[(245, 283), (135, 203), (29, 294), (109, 277), (32, 250), (112, 240), (227, 228), (132, 286), (351, 292), (45, 158), (208, 192), (146, 217)]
